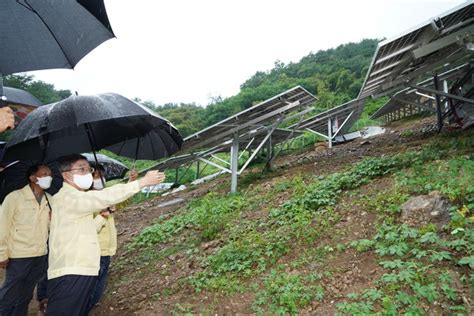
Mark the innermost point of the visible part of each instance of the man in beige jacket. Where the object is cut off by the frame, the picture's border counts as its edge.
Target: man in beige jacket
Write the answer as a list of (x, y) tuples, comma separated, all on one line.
[(24, 221), (107, 234), (74, 255)]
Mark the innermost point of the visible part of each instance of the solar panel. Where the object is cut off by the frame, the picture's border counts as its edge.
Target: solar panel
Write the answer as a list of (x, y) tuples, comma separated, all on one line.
[(252, 140), (410, 101), (439, 44), (261, 115), (342, 117)]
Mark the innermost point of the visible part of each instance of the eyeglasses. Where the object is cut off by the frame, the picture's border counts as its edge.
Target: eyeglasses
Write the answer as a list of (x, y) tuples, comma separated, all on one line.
[(84, 170)]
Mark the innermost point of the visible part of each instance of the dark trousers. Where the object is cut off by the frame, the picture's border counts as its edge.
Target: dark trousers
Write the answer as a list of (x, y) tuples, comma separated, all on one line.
[(41, 289), (101, 281), (20, 280), (70, 295)]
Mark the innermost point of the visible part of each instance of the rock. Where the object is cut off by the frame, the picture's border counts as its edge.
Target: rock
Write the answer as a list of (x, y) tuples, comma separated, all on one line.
[(424, 209), (318, 147), (211, 244), (365, 142)]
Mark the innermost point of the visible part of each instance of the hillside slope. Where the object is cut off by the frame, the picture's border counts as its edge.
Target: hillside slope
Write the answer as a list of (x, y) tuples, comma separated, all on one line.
[(320, 234)]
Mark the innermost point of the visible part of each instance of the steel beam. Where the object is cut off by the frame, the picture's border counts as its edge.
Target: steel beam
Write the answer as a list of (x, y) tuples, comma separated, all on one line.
[(439, 114), (234, 163), (209, 162), (329, 133), (342, 125), (444, 94), (418, 105), (316, 133), (456, 37), (264, 140)]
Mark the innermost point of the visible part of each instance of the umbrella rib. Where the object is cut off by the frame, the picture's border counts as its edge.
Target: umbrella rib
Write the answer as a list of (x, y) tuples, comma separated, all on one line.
[(51, 32), (152, 147)]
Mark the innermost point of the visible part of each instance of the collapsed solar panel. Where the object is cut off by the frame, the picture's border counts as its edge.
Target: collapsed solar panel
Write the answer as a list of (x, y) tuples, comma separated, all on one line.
[(442, 43)]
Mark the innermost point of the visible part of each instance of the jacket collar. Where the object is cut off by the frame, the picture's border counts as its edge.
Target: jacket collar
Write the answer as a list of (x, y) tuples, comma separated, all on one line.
[(28, 194)]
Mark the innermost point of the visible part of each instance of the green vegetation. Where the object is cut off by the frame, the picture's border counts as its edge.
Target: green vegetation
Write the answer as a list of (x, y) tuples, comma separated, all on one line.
[(285, 293), (45, 92), (334, 75), (255, 233)]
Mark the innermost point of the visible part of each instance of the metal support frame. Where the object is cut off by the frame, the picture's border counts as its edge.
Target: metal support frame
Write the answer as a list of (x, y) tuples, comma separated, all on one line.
[(456, 37), (439, 114), (264, 140), (293, 127), (234, 163), (316, 133), (209, 162), (184, 173), (253, 122), (444, 94), (331, 135), (342, 125), (329, 132), (416, 104), (197, 170), (220, 159)]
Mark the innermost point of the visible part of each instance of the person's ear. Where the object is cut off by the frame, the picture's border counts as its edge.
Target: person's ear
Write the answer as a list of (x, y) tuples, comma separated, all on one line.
[(66, 176), (33, 178)]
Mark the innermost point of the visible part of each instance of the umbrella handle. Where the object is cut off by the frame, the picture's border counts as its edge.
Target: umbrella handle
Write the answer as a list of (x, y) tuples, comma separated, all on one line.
[(90, 135)]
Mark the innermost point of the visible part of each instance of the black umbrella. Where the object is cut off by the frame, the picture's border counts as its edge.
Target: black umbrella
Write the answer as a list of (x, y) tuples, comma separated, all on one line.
[(2, 151), (113, 169), (21, 102), (47, 34), (14, 177), (84, 123), (155, 145)]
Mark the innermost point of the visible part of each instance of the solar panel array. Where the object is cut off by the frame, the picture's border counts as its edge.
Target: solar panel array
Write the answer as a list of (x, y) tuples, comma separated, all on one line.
[(258, 116), (410, 101), (440, 45), (435, 46)]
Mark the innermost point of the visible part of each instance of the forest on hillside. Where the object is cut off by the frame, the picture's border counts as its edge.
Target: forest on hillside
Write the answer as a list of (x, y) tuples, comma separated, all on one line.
[(334, 76)]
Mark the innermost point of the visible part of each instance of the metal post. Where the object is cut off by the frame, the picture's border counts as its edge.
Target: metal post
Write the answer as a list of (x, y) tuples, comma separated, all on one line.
[(329, 133), (197, 170), (446, 89), (439, 114), (269, 148), (234, 162), (176, 176)]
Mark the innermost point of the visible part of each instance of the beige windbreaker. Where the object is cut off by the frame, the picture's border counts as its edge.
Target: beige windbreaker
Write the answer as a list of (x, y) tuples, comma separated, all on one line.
[(107, 234), (23, 225), (73, 242)]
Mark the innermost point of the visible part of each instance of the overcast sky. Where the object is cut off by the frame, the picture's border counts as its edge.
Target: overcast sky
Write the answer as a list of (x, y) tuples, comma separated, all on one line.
[(188, 50)]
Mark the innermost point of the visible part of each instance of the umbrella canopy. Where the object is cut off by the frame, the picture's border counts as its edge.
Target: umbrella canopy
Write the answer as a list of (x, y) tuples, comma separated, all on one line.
[(47, 34), (156, 144), (2, 149), (21, 97), (81, 124), (113, 169), (14, 177), (21, 102)]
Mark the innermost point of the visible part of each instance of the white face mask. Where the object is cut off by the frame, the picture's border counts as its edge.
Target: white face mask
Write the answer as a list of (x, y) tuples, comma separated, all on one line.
[(98, 184), (84, 182), (44, 182)]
